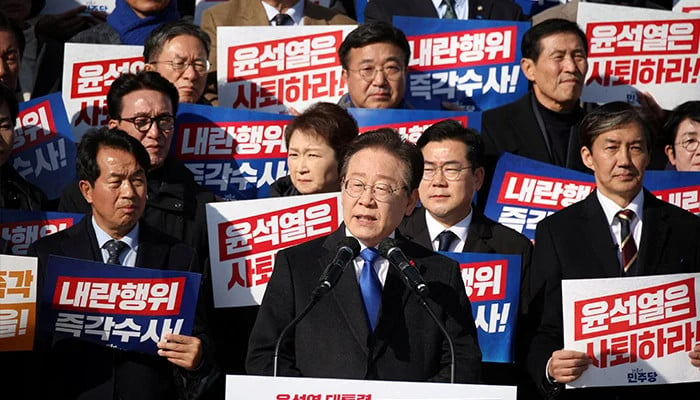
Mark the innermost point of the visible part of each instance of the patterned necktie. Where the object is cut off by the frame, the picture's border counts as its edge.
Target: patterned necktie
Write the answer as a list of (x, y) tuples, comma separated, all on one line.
[(114, 249), (370, 286), (445, 239), (627, 245), (449, 9), (282, 19)]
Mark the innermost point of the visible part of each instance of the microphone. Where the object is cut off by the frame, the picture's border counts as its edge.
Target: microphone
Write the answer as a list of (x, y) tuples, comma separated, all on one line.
[(389, 250), (348, 249)]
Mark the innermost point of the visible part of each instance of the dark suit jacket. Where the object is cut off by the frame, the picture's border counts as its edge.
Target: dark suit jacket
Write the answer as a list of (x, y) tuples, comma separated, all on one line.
[(485, 236), (513, 128), (75, 369), (575, 243), (333, 340), (384, 10)]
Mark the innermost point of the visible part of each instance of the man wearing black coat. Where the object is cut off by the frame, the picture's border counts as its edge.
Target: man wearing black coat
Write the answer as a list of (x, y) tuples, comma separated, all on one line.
[(619, 230), (371, 325), (112, 170)]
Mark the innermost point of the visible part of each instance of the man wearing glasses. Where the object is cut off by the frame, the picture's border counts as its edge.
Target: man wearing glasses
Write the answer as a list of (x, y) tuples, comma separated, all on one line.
[(453, 172), (144, 105), (179, 51), (343, 336), (375, 57)]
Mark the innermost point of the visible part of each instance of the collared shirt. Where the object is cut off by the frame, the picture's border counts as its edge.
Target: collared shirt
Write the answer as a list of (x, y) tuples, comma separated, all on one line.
[(461, 8), (381, 264), (296, 12), (128, 256), (461, 229), (610, 208)]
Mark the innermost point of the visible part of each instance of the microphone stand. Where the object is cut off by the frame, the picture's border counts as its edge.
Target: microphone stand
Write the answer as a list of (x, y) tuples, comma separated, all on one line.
[(315, 297), (444, 332)]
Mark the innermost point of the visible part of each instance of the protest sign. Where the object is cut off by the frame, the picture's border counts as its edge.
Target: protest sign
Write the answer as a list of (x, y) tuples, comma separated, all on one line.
[(88, 72), (244, 237), (410, 124), (525, 191), (472, 64), (236, 154), (272, 68), (18, 282), (635, 49), (637, 330), (44, 150), (116, 306), (20, 228), (492, 283)]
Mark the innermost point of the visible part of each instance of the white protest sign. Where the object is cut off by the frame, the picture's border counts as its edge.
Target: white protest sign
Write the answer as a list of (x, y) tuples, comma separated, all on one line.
[(637, 330), (272, 68), (88, 72), (279, 388), (18, 285), (245, 235), (639, 49)]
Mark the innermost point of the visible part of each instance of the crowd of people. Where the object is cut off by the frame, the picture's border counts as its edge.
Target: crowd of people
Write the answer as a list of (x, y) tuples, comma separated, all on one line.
[(144, 209)]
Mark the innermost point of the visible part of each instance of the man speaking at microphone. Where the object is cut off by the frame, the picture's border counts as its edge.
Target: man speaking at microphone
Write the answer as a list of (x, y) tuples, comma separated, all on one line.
[(370, 325)]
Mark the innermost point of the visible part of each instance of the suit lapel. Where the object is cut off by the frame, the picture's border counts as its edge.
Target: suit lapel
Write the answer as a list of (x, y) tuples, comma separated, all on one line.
[(76, 247), (247, 12), (595, 230), (394, 297), (655, 232), (151, 253), (479, 234), (416, 230), (346, 293)]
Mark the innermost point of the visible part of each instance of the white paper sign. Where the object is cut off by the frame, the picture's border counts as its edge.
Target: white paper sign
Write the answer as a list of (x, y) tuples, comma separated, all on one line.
[(278, 388), (637, 330), (60, 6), (271, 68), (245, 235), (639, 49), (88, 72)]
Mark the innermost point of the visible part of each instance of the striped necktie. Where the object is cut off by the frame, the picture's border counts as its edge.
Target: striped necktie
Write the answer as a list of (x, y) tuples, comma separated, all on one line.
[(627, 246)]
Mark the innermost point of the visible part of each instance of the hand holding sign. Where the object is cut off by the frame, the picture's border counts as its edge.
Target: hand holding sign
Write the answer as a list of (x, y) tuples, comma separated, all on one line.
[(181, 350)]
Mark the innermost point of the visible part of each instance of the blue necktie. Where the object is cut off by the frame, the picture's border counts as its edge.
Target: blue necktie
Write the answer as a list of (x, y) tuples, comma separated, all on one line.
[(114, 249), (370, 286)]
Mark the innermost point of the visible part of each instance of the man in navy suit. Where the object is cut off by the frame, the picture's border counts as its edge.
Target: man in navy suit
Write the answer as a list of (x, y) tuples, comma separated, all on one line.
[(619, 230), (384, 10), (112, 170), (342, 336)]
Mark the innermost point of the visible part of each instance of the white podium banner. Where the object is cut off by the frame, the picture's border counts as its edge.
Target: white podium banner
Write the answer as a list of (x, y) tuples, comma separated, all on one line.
[(279, 388)]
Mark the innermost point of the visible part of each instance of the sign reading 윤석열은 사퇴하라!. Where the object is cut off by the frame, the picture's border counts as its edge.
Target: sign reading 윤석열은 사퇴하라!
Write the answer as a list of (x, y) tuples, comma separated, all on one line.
[(245, 236), (88, 73), (640, 49), (272, 68), (636, 330)]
